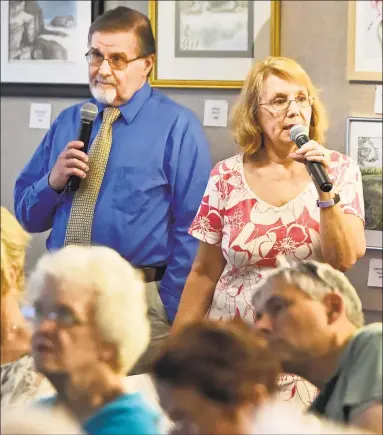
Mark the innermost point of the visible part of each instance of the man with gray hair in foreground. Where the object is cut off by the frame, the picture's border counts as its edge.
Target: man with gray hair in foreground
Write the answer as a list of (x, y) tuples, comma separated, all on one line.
[(312, 317), (90, 328)]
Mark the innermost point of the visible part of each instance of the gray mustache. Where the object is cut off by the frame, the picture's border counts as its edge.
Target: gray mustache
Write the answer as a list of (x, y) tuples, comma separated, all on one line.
[(109, 82)]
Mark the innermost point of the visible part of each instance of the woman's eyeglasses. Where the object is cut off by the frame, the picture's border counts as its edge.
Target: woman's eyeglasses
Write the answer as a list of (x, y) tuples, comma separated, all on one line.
[(282, 103)]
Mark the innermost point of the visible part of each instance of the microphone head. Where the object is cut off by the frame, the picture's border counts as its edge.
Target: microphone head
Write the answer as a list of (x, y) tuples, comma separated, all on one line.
[(89, 112), (298, 130)]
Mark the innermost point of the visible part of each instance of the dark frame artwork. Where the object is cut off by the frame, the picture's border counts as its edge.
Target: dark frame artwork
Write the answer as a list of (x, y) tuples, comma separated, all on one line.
[(9, 89)]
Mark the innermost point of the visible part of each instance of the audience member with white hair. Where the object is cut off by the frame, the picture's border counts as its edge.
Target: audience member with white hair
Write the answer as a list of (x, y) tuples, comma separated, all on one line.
[(90, 329), (312, 317)]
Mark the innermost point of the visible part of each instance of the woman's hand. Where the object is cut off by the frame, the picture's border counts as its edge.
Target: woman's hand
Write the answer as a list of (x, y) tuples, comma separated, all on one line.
[(312, 152)]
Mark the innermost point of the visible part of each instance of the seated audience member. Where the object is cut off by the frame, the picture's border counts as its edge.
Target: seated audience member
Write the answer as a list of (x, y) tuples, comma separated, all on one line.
[(211, 375), (19, 380), (312, 317), (90, 329), (34, 421)]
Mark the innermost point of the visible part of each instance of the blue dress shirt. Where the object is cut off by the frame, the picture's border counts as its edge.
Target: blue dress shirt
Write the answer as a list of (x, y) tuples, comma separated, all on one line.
[(157, 171)]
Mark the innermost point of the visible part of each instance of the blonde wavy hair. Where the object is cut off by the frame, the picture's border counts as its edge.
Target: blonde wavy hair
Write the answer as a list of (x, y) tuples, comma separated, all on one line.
[(244, 121), (14, 242)]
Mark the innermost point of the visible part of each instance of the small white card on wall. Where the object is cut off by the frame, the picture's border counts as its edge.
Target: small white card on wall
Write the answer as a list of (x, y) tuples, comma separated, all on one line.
[(215, 114), (375, 273), (40, 116), (378, 100)]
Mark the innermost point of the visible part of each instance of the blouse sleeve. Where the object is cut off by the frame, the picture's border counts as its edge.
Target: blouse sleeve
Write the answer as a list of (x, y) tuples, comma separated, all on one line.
[(347, 180), (208, 223)]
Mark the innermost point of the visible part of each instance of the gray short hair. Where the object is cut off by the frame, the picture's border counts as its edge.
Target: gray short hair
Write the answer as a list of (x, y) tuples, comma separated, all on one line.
[(316, 280), (120, 297)]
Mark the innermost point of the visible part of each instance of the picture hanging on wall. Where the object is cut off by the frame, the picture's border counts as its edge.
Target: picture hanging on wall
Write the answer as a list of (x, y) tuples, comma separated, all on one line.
[(211, 44), (364, 57), (43, 46), (364, 145)]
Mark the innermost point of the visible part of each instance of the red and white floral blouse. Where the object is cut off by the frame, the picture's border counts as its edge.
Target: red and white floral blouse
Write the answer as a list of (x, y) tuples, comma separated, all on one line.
[(252, 233)]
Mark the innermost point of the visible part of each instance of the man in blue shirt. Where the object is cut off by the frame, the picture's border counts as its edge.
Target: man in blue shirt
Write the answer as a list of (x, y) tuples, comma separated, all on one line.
[(156, 172)]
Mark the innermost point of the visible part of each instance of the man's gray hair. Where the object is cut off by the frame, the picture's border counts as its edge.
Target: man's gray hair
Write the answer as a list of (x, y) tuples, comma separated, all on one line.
[(317, 280), (119, 294)]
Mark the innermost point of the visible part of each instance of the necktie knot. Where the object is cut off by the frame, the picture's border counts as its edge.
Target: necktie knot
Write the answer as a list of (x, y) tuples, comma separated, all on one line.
[(110, 115)]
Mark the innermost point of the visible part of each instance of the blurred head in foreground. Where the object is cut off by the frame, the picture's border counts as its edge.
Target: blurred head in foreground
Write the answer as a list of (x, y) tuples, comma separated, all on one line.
[(90, 315), (14, 242), (211, 375)]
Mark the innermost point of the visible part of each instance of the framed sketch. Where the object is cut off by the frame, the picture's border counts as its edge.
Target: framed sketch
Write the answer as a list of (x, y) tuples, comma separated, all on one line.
[(364, 39), (364, 145), (43, 44), (211, 44)]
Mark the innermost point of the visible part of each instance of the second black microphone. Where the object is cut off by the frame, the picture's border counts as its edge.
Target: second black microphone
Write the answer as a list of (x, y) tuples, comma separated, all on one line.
[(299, 135)]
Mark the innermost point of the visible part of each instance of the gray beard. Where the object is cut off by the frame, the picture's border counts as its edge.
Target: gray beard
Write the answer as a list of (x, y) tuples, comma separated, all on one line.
[(106, 96)]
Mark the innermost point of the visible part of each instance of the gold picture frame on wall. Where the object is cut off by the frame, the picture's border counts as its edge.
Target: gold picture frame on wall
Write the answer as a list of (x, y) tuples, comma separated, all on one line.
[(211, 44), (364, 40)]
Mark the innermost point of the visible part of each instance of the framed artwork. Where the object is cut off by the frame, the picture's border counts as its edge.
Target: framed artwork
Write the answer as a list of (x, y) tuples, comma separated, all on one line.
[(211, 44), (364, 145), (43, 44), (364, 39)]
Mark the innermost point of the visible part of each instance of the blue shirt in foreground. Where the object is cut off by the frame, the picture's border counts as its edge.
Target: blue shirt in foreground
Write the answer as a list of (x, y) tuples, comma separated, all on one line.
[(129, 414), (156, 174)]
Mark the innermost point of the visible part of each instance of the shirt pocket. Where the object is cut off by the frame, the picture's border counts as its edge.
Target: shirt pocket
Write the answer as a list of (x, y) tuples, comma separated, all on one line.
[(130, 189)]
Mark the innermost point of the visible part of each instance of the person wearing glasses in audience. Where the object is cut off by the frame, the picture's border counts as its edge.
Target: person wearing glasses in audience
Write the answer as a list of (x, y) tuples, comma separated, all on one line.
[(262, 203), (90, 327), (20, 382), (312, 317), (142, 183), (207, 391)]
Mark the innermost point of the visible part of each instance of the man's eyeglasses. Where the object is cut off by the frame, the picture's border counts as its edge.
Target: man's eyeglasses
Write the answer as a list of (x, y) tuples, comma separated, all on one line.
[(312, 268), (282, 103), (116, 61)]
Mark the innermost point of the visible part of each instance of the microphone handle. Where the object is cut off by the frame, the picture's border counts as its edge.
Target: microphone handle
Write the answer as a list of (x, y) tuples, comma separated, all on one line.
[(320, 176), (316, 169), (84, 133)]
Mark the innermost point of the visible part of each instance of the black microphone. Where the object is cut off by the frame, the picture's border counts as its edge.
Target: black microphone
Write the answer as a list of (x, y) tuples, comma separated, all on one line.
[(88, 115), (299, 135)]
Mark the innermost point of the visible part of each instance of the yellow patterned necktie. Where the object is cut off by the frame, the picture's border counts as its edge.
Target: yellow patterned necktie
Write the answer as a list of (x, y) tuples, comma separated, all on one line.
[(79, 228)]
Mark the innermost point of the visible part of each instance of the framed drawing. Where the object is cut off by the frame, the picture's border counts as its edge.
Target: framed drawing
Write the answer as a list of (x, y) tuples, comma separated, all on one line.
[(211, 44), (43, 44), (364, 39), (364, 145)]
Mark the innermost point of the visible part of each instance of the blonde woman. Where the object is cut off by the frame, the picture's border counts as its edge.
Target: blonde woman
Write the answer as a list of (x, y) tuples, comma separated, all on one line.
[(19, 381), (262, 203)]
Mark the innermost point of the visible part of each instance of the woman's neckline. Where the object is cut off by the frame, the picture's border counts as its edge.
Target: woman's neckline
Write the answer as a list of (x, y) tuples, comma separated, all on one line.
[(308, 187)]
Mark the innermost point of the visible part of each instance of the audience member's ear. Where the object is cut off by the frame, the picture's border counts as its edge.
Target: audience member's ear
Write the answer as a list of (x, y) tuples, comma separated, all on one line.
[(109, 355), (334, 306)]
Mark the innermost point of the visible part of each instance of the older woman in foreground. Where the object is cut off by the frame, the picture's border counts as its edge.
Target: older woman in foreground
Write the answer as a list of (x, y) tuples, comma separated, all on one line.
[(90, 329), (262, 203)]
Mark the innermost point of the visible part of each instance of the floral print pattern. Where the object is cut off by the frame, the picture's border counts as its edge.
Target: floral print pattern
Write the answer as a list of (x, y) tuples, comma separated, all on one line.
[(252, 233)]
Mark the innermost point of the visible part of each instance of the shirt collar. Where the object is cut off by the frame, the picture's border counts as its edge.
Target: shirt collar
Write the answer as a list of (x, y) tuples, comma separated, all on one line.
[(130, 109)]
